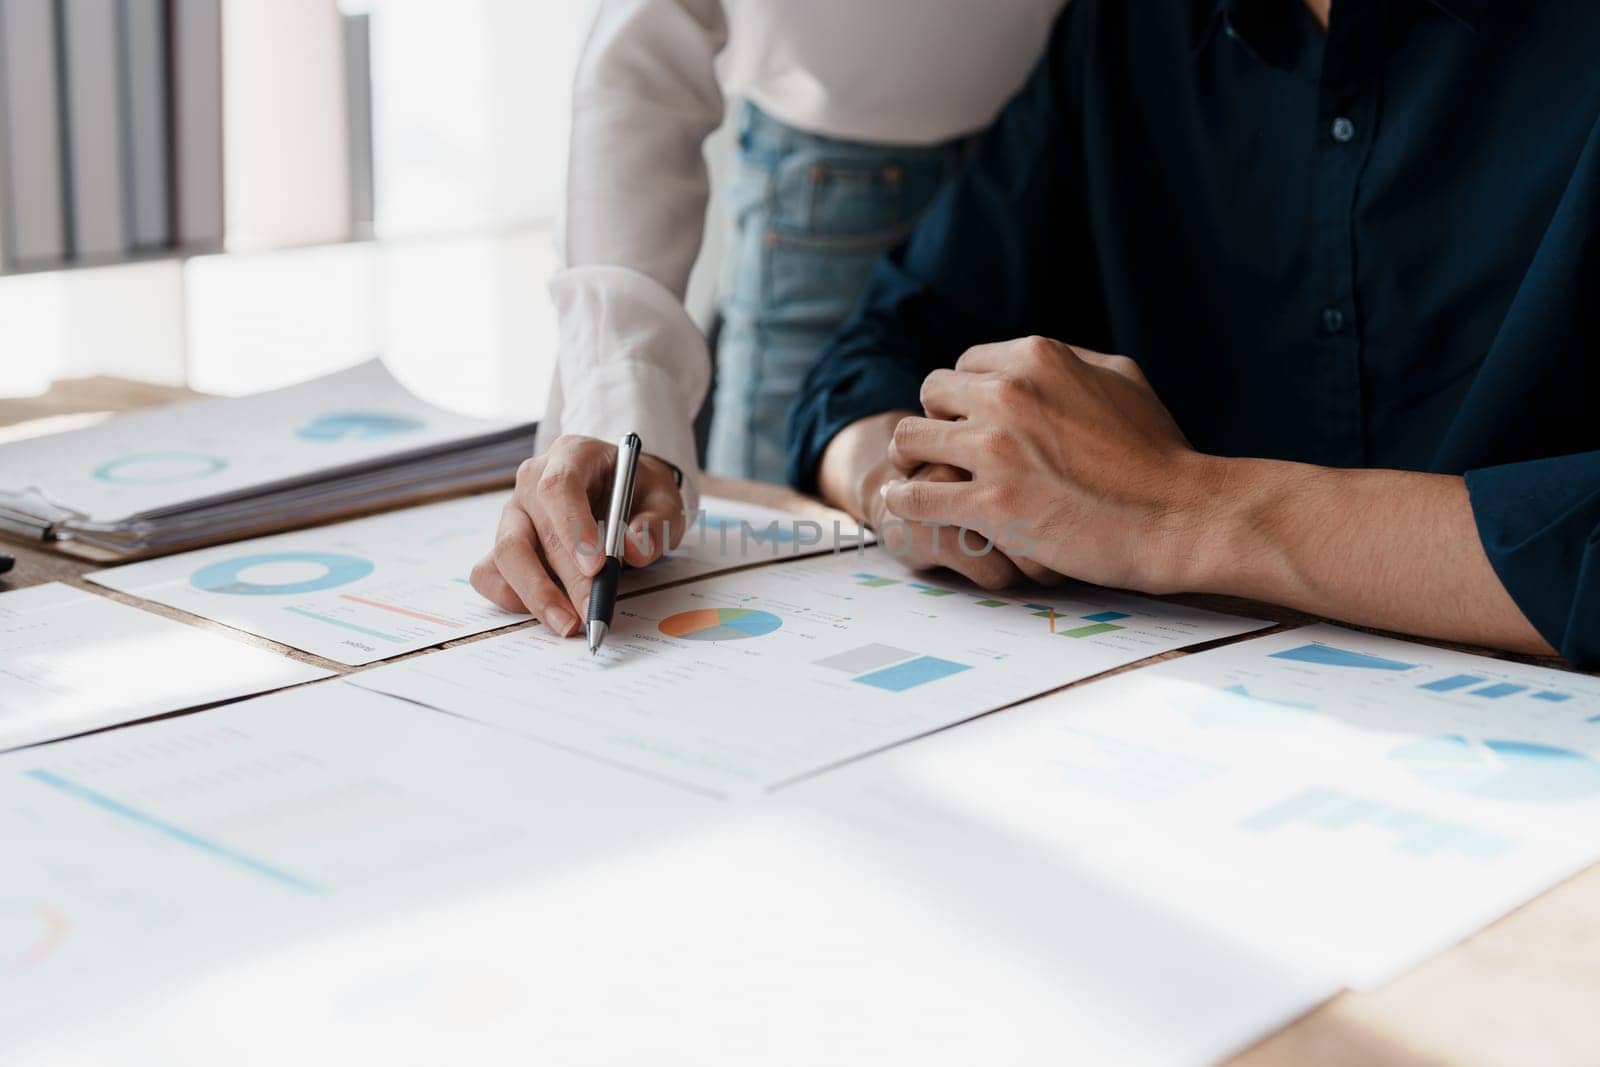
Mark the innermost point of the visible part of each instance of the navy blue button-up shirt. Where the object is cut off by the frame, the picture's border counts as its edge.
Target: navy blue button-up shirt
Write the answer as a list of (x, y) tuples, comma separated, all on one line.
[(1376, 246)]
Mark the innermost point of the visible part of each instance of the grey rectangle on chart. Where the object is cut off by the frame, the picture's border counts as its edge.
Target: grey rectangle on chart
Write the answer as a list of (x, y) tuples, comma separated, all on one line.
[(866, 658)]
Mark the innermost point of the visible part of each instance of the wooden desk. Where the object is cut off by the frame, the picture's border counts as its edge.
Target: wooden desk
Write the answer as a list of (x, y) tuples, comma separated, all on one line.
[(1521, 992)]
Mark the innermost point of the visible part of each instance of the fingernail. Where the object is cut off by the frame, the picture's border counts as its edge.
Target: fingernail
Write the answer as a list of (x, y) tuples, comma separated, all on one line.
[(561, 620), (641, 535), (589, 558), (884, 489)]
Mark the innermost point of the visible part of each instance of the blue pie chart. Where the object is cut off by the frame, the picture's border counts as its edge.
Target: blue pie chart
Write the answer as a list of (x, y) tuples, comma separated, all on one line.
[(226, 576), (1517, 771), (357, 426), (158, 468)]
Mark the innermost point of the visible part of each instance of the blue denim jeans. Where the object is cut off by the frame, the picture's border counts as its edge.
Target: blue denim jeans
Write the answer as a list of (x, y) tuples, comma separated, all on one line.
[(811, 215)]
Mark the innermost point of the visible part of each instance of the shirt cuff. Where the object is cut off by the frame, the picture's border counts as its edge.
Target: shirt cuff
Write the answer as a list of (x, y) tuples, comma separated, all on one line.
[(1539, 523), (840, 390), (630, 360)]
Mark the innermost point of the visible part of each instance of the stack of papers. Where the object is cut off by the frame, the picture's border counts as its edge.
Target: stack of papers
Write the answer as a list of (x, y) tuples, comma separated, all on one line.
[(219, 469)]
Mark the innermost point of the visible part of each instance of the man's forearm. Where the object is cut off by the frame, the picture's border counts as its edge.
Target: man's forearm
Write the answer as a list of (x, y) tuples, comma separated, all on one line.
[(845, 473), (1389, 549)]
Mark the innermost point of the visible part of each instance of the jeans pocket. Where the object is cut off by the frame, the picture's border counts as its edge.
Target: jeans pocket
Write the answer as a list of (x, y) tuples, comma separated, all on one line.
[(834, 211), (843, 199)]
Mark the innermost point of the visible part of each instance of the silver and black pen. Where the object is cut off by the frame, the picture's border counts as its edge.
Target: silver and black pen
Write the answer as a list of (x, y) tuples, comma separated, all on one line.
[(603, 593)]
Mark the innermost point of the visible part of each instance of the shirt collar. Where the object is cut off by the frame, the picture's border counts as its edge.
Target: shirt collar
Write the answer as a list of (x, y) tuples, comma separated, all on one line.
[(1223, 12), (1467, 12)]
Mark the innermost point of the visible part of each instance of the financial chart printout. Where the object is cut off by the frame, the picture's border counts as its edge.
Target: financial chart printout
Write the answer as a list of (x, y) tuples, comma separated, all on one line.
[(776, 935), (353, 592), (147, 461), (746, 681), (138, 856), (1361, 802), (361, 591)]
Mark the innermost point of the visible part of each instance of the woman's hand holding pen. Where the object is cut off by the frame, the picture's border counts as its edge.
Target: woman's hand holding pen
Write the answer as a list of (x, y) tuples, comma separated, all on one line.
[(548, 548)]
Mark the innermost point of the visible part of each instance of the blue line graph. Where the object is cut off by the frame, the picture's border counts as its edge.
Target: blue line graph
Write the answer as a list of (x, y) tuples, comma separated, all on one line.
[(175, 833)]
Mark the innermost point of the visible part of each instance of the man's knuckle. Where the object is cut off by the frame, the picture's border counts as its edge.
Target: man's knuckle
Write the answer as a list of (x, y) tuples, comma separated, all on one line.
[(1001, 500), (934, 383), (906, 434), (1037, 349), (1012, 392), (996, 443)]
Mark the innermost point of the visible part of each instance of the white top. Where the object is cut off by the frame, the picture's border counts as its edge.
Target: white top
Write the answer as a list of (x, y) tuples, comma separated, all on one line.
[(649, 90)]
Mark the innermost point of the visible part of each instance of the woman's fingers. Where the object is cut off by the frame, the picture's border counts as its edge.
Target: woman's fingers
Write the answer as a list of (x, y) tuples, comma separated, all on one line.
[(496, 590), (520, 566), (658, 521), (564, 513)]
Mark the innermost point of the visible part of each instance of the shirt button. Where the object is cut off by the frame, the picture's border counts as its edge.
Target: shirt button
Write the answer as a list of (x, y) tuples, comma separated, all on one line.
[(1332, 320), (1343, 130)]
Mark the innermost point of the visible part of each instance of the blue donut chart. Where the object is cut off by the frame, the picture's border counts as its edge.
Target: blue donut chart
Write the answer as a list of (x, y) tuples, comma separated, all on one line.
[(224, 575), (160, 468), (761, 534), (357, 426)]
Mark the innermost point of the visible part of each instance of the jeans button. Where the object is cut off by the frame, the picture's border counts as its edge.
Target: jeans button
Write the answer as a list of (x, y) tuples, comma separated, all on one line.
[(1343, 130), (1332, 320)]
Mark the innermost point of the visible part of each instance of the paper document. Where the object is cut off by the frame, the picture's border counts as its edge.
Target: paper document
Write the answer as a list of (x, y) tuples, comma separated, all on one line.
[(218, 466), (781, 937), (138, 856), (745, 681), (353, 592), (72, 661), (365, 590), (1358, 802)]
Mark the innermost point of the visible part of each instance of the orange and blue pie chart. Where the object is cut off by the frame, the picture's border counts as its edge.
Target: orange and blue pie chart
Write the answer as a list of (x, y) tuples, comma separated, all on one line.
[(720, 624)]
